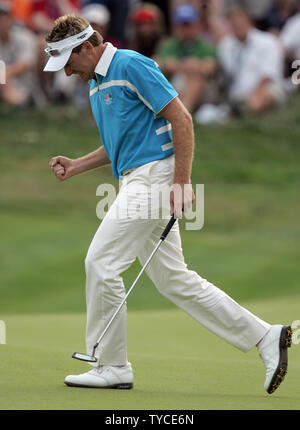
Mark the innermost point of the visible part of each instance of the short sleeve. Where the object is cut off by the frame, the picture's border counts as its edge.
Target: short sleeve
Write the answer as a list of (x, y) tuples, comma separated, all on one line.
[(151, 86)]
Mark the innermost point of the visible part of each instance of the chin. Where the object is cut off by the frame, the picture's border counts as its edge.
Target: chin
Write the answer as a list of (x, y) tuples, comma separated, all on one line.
[(84, 77)]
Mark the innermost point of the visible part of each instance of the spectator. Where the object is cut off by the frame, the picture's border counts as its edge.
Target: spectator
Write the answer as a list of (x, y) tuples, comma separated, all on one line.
[(253, 63), (99, 17), (21, 11), (43, 15), (256, 9), (119, 11), (281, 11), (290, 35), (17, 50), (148, 27), (207, 7), (45, 12), (187, 60), (165, 7)]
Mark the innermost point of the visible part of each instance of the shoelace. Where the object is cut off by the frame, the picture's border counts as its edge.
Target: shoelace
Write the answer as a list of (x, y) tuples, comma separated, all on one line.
[(98, 370)]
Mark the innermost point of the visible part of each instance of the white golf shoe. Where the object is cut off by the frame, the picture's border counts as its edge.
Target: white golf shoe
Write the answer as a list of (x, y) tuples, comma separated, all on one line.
[(103, 377), (273, 352)]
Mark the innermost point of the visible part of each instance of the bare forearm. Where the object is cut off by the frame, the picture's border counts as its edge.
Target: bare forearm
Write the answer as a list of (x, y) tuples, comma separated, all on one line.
[(217, 27), (92, 160), (16, 69), (263, 82), (183, 139), (194, 67)]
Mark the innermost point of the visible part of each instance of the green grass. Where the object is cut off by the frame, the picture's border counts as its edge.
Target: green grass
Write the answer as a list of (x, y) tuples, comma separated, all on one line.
[(177, 364), (43, 260), (249, 244), (249, 247)]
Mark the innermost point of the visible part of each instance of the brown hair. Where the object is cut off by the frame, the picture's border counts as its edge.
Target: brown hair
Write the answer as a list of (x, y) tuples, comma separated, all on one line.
[(69, 25)]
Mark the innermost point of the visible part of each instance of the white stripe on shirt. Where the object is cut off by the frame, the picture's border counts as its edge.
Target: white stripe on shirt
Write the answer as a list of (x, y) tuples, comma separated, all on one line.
[(167, 146), (121, 82), (163, 129)]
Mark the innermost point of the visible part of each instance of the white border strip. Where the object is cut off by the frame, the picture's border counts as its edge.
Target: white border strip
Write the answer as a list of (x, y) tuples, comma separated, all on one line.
[(164, 129), (94, 90), (167, 146), (116, 83)]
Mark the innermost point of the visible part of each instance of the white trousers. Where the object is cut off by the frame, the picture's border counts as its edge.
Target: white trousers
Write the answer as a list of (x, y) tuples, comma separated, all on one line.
[(117, 244)]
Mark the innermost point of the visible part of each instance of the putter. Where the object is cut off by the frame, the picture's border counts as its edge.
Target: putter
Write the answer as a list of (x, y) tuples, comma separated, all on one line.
[(92, 358)]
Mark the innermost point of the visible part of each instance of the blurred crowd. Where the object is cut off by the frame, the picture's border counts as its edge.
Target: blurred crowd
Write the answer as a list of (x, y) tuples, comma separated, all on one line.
[(224, 57)]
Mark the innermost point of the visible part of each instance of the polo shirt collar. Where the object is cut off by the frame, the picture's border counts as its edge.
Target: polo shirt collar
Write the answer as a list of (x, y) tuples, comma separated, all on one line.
[(105, 60)]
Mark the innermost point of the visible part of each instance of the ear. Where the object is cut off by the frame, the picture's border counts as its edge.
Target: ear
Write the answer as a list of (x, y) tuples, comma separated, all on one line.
[(87, 46)]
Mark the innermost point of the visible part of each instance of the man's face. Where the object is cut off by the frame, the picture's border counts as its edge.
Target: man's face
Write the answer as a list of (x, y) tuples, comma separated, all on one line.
[(240, 25), (187, 31), (146, 29), (82, 64)]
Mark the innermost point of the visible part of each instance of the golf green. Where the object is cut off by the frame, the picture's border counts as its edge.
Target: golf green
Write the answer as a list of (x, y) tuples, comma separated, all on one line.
[(249, 247), (177, 364)]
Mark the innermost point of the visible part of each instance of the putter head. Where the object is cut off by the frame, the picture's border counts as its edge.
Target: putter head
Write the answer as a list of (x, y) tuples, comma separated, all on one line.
[(84, 357)]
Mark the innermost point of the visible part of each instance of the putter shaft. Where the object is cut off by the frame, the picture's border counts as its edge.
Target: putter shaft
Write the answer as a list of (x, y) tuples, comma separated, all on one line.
[(162, 238)]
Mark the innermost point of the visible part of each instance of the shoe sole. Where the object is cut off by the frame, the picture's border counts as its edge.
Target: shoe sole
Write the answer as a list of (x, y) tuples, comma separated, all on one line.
[(123, 386), (284, 343)]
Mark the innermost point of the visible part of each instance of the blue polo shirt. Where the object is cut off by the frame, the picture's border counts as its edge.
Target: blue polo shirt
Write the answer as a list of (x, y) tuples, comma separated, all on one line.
[(126, 96)]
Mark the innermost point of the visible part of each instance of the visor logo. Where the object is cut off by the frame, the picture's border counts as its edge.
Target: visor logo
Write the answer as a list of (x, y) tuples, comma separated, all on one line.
[(82, 36)]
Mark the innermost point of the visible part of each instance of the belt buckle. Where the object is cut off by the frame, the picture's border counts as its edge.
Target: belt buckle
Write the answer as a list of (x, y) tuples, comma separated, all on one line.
[(127, 171)]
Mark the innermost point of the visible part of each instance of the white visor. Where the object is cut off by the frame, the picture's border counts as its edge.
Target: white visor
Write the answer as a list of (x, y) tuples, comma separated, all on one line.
[(60, 51)]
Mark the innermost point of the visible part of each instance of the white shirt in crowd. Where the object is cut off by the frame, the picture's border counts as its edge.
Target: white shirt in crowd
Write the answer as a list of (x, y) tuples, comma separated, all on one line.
[(290, 35), (21, 47), (248, 63)]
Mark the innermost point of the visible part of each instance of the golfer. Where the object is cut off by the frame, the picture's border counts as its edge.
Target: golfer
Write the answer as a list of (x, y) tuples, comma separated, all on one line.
[(148, 139)]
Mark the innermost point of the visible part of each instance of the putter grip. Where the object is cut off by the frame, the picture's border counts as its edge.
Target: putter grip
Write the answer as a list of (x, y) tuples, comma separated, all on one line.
[(168, 227)]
